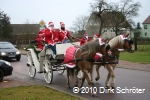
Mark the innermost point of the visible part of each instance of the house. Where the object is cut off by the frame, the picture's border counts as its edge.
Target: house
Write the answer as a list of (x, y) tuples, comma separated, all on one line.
[(93, 25), (20, 29), (146, 27)]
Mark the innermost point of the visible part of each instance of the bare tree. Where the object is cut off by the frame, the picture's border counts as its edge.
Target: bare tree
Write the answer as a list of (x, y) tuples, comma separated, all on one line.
[(79, 24), (99, 7), (122, 14)]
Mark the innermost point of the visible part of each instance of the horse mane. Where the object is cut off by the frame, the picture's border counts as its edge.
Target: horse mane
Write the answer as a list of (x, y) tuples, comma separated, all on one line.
[(90, 47), (115, 41)]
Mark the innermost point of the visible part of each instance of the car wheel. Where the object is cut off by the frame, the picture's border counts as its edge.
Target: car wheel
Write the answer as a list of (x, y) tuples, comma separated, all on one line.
[(18, 59), (1, 75)]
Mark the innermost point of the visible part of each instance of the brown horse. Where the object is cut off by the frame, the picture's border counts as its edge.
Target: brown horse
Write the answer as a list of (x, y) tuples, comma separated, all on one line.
[(84, 60), (115, 44)]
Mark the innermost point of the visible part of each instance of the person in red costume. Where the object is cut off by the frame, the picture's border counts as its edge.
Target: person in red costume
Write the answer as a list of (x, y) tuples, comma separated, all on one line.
[(39, 40), (64, 34), (84, 39), (98, 55), (96, 36), (51, 37)]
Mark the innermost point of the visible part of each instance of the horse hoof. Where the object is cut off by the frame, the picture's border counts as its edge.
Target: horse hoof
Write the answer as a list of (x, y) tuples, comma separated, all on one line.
[(96, 79), (75, 85), (94, 95), (107, 87), (68, 87), (92, 83), (112, 87)]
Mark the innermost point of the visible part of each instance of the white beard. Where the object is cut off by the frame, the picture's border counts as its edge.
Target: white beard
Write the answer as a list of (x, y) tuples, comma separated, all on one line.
[(86, 37), (50, 28)]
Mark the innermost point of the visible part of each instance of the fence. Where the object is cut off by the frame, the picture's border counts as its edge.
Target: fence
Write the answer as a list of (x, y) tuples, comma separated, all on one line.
[(24, 43)]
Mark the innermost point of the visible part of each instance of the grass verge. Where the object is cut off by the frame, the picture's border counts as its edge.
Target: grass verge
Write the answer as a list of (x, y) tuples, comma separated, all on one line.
[(137, 56), (33, 92)]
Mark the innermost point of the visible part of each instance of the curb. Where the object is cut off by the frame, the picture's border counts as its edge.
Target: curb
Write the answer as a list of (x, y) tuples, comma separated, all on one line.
[(132, 69)]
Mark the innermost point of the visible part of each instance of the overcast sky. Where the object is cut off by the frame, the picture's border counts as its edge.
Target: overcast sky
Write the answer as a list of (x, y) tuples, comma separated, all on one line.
[(56, 10)]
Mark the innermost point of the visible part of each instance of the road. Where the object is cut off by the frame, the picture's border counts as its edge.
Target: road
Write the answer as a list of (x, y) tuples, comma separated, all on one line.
[(125, 78)]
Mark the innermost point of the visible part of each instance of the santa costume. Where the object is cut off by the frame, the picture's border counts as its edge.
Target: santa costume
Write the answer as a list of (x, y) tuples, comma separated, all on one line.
[(51, 37), (98, 55), (84, 39), (96, 36), (64, 35), (40, 39)]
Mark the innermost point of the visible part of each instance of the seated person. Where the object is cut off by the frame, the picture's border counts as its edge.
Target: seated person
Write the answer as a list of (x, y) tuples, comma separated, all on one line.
[(63, 34), (39, 40), (51, 37)]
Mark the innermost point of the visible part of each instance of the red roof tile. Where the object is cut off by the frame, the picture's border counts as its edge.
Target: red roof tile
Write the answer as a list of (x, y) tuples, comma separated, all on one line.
[(147, 21)]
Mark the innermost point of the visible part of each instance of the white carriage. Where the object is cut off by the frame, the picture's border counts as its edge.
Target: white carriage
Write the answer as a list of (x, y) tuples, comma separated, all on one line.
[(43, 62)]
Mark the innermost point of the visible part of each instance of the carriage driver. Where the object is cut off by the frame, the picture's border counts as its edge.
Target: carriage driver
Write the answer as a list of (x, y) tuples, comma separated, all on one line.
[(51, 37), (64, 34)]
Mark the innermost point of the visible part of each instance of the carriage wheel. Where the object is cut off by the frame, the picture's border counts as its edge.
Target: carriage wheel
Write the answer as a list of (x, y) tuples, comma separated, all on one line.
[(81, 78), (80, 74), (48, 72), (61, 69), (31, 68)]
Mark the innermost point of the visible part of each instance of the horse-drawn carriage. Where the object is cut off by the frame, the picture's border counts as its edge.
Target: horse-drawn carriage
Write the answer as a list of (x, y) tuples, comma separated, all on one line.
[(44, 61)]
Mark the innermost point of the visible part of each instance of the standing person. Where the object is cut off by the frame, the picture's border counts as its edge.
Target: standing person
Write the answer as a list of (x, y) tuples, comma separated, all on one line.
[(51, 37), (84, 39), (96, 36), (63, 34), (98, 55)]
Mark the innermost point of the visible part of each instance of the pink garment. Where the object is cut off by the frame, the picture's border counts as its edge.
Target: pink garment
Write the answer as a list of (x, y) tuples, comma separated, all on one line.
[(69, 56)]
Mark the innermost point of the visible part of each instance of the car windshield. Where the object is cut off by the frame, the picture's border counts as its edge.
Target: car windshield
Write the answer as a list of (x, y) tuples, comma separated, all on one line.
[(6, 46)]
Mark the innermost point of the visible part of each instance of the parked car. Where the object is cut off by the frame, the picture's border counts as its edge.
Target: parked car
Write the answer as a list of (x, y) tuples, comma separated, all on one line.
[(8, 51), (5, 69)]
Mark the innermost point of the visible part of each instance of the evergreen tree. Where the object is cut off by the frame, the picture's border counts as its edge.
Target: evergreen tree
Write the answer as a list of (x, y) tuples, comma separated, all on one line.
[(5, 26)]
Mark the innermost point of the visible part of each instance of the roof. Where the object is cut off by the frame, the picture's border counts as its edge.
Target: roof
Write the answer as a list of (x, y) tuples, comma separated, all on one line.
[(147, 20)]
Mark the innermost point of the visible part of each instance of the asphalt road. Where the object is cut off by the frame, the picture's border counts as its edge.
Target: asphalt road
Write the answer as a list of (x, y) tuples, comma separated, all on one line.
[(138, 81)]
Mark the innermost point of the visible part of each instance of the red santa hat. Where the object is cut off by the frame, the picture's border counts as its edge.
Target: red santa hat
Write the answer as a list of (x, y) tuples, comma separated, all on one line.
[(61, 23), (97, 35), (50, 23)]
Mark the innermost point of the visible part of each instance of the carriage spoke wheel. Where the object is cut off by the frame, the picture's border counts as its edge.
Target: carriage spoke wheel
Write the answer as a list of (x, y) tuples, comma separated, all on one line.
[(80, 77), (48, 72), (31, 68), (60, 69)]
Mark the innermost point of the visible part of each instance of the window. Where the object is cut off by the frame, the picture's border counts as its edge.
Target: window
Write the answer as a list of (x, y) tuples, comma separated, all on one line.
[(145, 26), (145, 33), (105, 30), (112, 31)]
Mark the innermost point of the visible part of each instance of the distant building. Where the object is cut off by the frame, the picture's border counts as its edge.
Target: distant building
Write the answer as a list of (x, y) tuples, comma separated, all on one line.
[(145, 30), (146, 27), (19, 29), (93, 26)]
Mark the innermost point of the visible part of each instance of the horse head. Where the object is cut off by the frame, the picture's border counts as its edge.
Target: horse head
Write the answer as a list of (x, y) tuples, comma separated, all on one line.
[(121, 42), (128, 44)]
